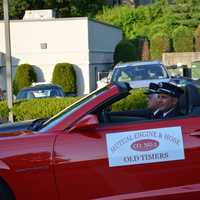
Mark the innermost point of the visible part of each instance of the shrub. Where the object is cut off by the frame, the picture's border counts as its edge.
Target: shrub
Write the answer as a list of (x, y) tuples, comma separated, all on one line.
[(160, 43), (40, 108), (47, 107), (65, 76), (136, 100), (124, 52), (197, 39), (183, 39), (24, 77), (4, 110)]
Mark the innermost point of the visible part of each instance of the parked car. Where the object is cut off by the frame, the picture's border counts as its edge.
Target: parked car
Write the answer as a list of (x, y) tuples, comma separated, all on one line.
[(84, 152), (105, 80), (140, 73), (40, 91)]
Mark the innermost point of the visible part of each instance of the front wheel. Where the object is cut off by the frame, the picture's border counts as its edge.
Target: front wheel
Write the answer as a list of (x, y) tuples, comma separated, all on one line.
[(5, 192)]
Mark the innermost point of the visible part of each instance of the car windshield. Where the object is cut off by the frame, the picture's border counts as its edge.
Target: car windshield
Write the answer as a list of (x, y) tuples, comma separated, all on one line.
[(69, 110), (140, 72)]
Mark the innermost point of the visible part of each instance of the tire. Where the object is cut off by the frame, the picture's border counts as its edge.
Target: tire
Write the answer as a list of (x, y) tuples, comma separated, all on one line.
[(5, 192)]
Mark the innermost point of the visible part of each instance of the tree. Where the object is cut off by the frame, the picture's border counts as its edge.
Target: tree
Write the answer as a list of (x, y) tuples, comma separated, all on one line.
[(183, 39), (86, 7), (197, 39), (1, 9), (145, 49), (17, 8), (160, 43), (141, 48), (63, 8), (124, 52)]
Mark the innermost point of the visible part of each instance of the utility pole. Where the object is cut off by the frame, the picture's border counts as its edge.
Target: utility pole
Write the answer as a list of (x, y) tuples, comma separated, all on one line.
[(8, 59)]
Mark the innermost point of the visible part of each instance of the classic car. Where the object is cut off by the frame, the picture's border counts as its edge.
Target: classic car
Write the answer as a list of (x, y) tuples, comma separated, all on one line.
[(85, 152)]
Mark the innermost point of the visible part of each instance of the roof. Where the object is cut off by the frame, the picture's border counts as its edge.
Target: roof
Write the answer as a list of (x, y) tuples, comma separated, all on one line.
[(62, 19), (137, 63)]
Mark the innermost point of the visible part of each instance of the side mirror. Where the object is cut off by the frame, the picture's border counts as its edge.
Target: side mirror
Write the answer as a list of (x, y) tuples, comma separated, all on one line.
[(88, 121)]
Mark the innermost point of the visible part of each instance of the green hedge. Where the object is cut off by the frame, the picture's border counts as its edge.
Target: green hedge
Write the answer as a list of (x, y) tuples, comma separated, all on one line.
[(42, 108), (36, 108), (137, 99), (65, 76), (4, 110), (24, 77)]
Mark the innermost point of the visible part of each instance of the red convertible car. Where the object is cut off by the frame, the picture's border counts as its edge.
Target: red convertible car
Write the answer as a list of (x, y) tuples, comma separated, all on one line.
[(85, 152)]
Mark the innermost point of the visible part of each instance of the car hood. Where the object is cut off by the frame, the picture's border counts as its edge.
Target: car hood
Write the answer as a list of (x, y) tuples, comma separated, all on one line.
[(16, 126)]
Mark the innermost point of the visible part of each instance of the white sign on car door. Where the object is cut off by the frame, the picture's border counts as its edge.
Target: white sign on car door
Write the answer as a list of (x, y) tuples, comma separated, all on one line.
[(145, 146)]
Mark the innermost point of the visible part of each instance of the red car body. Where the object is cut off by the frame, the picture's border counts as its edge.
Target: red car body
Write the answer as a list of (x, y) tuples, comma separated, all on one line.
[(68, 158)]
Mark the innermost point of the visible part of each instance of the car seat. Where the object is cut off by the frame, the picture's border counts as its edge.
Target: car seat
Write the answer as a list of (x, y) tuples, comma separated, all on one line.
[(193, 99), (183, 103)]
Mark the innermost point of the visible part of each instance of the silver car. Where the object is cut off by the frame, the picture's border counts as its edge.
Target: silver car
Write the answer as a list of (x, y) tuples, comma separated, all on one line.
[(140, 74)]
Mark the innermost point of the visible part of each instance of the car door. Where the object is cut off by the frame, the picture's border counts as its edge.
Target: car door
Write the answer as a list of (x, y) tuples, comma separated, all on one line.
[(85, 170)]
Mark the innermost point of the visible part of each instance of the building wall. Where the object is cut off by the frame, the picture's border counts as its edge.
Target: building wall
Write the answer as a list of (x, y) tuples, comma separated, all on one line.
[(27, 37), (102, 42), (183, 58), (64, 40)]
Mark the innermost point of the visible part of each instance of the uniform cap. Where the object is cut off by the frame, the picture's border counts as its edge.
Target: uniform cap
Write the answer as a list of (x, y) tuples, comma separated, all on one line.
[(169, 88), (152, 88)]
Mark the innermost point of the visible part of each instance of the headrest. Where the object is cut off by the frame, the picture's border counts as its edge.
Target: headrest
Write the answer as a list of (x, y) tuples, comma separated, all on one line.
[(193, 96)]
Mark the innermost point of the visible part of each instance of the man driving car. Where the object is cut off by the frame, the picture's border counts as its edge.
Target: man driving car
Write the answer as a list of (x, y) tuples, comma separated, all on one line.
[(168, 96), (152, 104)]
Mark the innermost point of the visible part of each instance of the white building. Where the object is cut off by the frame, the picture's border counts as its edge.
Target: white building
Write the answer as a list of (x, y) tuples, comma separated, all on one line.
[(87, 44)]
